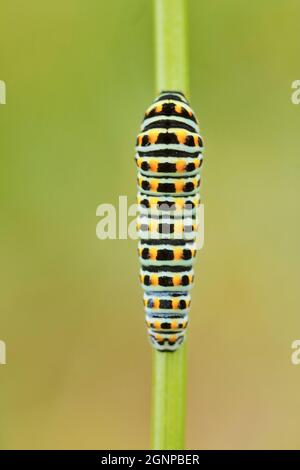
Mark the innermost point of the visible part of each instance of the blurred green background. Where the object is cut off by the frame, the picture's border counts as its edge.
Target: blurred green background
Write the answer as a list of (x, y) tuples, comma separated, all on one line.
[(79, 76)]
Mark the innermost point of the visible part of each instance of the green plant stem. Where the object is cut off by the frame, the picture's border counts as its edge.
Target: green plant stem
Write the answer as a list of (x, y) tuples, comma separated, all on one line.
[(169, 369), (168, 399), (170, 21)]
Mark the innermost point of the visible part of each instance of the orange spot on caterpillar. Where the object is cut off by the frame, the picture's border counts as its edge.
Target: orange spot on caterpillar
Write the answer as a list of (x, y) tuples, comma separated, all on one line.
[(153, 202), (179, 186), (152, 137), (178, 109), (172, 339), (177, 253), (181, 136), (154, 280), (180, 165), (153, 165), (153, 185), (179, 203), (153, 253), (178, 226), (153, 226)]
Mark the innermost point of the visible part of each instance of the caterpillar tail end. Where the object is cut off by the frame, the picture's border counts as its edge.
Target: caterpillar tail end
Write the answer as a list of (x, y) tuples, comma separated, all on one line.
[(166, 343)]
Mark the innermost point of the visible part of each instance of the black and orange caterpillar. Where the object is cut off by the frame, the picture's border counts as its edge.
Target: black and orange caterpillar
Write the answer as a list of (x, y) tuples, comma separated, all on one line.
[(169, 157)]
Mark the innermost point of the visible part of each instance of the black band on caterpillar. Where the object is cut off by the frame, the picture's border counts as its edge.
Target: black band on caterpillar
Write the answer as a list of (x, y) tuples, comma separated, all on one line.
[(169, 157)]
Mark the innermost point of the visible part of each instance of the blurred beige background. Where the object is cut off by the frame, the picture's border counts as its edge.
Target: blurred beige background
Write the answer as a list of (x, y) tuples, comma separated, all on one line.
[(79, 76)]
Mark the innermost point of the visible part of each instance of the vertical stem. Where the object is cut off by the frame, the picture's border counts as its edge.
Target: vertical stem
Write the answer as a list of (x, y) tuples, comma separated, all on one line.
[(169, 369), (168, 400), (170, 20)]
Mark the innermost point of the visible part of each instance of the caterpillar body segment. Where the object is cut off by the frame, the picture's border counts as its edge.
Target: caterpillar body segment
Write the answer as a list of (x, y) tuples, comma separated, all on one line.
[(163, 254), (169, 156), (169, 185), (174, 205)]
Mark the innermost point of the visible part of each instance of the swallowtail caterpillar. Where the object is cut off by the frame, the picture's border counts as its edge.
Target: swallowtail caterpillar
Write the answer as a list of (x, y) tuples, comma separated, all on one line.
[(168, 157)]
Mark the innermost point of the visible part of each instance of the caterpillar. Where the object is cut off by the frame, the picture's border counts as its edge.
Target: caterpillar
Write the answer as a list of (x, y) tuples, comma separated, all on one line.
[(169, 155)]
